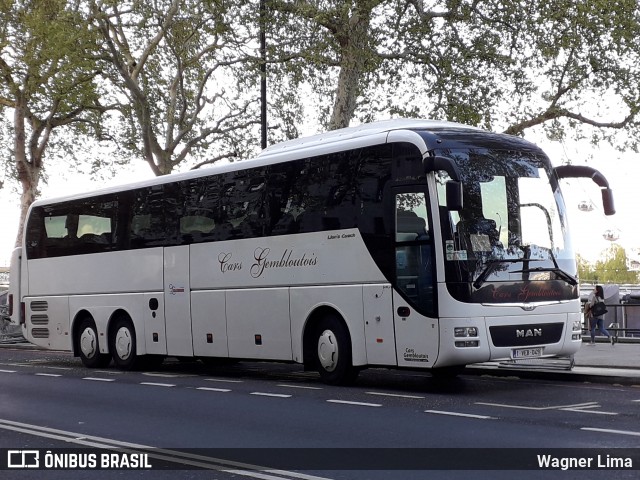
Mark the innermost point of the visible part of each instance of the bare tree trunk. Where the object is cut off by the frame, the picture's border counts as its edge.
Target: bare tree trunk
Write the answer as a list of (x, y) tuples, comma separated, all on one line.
[(345, 102), (28, 171), (355, 53)]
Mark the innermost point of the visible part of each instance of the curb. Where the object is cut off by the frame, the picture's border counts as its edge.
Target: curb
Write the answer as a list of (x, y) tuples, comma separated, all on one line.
[(607, 375)]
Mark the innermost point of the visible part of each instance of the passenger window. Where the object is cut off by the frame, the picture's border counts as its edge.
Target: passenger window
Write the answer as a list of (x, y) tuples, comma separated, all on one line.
[(411, 217), (148, 223)]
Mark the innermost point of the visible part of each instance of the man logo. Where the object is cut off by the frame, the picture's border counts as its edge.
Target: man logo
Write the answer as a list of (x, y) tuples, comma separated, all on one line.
[(531, 332)]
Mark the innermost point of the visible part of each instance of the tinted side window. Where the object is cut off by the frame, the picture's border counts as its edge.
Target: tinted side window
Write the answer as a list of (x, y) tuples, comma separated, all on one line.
[(202, 219), (407, 162), (35, 234), (376, 228), (374, 172), (281, 208), (243, 202), (149, 218), (325, 192), (73, 228), (96, 224)]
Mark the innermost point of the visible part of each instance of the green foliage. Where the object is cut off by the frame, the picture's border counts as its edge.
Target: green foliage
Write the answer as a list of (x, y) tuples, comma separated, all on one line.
[(567, 66), (180, 66), (184, 74), (48, 58), (49, 80), (612, 268)]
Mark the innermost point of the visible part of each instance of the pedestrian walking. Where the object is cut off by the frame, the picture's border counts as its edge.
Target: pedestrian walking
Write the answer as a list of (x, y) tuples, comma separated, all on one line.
[(595, 311)]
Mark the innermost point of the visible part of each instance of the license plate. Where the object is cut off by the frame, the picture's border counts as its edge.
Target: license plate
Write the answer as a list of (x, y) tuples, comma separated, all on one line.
[(526, 352)]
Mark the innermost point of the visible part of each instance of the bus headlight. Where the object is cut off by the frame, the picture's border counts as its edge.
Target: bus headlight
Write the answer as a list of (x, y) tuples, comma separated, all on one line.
[(465, 331)]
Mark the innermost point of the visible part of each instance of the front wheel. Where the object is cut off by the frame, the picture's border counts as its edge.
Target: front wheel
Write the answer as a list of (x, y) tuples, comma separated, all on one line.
[(89, 349), (333, 352), (122, 344)]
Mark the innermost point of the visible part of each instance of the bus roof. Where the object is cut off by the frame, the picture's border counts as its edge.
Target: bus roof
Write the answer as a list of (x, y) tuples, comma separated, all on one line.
[(364, 130), (281, 152)]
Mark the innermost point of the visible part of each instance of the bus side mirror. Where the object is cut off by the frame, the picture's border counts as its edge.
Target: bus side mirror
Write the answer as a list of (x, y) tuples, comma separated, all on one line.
[(607, 201), (454, 195), (577, 171)]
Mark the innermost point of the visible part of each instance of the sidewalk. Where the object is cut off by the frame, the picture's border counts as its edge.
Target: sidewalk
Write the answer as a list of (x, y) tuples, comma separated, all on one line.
[(601, 362), (603, 355)]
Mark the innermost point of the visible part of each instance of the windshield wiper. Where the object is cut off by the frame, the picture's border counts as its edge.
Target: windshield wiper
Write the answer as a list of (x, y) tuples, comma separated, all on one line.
[(570, 279), (492, 264)]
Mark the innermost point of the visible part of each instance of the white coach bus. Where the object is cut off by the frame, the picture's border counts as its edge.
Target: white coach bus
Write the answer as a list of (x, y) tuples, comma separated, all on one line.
[(406, 243)]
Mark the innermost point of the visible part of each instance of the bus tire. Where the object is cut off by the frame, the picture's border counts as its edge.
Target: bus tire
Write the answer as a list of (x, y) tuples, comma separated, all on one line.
[(122, 344), (88, 345), (333, 352)]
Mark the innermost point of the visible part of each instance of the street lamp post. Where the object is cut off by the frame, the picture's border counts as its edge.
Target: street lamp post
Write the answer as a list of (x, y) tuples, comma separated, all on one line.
[(263, 75)]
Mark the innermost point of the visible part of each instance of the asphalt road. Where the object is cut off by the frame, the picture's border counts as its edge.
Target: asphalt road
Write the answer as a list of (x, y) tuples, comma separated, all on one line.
[(395, 419)]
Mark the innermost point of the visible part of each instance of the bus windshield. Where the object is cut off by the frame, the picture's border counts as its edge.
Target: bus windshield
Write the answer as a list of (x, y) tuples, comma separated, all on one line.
[(510, 242)]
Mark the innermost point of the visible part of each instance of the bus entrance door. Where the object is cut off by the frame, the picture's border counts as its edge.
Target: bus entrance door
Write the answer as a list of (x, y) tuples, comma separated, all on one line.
[(177, 302), (413, 296), (416, 335)]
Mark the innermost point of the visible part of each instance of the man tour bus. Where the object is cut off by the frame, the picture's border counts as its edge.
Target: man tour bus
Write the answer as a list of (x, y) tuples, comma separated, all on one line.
[(406, 243)]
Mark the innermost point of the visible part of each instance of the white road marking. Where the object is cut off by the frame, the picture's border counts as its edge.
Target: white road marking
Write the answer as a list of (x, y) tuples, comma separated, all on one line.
[(7, 371), (98, 379), (183, 458), (265, 394), (224, 380), (299, 386), (382, 394), (153, 384), (555, 407), (584, 409), (606, 430), (361, 404), (458, 414), (48, 374), (223, 390), (580, 410)]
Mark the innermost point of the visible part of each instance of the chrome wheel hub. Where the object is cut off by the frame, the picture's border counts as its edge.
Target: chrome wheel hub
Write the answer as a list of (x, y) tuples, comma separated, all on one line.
[(328, 350), (124, 343), (89, 343)]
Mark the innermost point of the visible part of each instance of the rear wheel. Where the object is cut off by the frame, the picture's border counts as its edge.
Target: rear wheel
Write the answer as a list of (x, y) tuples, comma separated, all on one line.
[(88, 345), (122, 344), (333, 352)]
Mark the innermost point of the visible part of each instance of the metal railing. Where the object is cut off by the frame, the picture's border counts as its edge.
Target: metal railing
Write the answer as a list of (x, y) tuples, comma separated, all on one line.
[(622, 320)]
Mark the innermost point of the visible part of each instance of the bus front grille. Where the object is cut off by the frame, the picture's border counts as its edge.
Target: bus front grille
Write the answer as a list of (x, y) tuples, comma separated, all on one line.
[(526, 335)]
